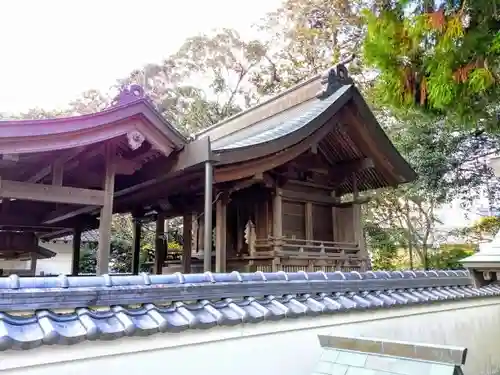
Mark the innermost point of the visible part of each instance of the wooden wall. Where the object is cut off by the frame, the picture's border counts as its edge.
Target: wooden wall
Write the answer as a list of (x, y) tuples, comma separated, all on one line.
[(309, 213)]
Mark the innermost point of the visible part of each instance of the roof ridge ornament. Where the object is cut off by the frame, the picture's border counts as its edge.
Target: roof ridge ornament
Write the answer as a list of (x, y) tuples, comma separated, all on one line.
[(334, 78), (129, 94)]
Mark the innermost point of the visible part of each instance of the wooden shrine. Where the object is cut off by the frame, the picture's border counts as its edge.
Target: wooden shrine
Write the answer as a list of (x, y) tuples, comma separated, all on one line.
[(287, 179), (275, 187), (69, 174)]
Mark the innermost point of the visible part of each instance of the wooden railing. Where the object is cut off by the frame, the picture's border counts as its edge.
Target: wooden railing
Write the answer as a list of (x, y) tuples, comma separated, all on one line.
[(293, 247)]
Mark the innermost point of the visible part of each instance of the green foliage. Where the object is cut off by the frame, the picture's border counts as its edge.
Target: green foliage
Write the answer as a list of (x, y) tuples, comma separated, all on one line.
[(443, 61), (383, 245), (88, 259), (448, 257), (483, 229)]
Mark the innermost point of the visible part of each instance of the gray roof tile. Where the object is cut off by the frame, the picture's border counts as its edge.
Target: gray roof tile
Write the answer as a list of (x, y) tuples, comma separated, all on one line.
[(279, 125), (201, 301)]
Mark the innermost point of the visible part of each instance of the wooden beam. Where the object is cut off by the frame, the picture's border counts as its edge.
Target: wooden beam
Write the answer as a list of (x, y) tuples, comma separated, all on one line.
[(127, 167), (20, 220), (65, 213), (259, 178), (50, 193), (187, 236), (314, 149), (57, 173), (61, 160), (220, 235), (299, 196), (106, 212), (345, 170)]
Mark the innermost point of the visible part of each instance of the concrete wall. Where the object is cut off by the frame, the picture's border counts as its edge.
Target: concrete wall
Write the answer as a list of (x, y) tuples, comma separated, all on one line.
[(286, 347)]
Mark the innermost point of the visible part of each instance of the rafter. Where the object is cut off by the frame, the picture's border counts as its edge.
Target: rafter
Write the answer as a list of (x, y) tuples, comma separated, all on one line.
[(345, 170), (61, 160)]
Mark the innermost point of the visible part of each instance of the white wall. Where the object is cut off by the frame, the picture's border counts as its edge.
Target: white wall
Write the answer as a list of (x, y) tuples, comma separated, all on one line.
[(15, 264), (61, 263), (287, 347)]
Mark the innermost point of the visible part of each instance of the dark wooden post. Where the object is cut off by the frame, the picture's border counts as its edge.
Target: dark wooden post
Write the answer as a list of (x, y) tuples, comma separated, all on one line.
[(77, 242), (187, 236), (277, 227), (220, 234), (159, 243), (207, 238), (106, 212), (34, 258), (136, 250)]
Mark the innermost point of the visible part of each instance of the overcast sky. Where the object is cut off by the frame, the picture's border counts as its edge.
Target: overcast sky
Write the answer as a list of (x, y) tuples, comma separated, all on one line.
[(52, 50)]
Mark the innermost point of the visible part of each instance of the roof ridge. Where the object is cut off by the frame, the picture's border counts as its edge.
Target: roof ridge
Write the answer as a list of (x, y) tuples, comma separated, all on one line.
[(259, 105), (331, 79), (72, 292), (144, 279)]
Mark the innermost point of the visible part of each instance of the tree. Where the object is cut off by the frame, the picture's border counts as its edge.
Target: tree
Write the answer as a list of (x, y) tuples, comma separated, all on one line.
[(450, 165), (449, 257), (88, 259), (408, 218), (483, 230), (305, 38), (439, 57), (383, 244), (90, 101), (222, 62)]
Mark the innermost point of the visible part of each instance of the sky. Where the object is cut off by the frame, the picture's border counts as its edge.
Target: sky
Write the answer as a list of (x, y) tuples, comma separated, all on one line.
[(55, 49)]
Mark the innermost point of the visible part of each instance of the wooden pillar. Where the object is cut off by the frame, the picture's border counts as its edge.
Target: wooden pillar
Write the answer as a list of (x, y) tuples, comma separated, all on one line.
[(159, 244), (187, 234), (106, 212), (359, 237), (207, 235), (34, 257), (136, 249), (240, 231), (220, 235), (278, 214), (77, 241), (277, 228), (309, 222), (355, 210)]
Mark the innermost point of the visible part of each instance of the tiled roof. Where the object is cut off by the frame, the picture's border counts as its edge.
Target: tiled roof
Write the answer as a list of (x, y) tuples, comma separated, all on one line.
[(59, 310), (279, 125), (87, 236)]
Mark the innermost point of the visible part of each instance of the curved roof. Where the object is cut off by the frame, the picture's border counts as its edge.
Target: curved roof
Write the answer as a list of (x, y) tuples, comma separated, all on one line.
[(327, 106), (131, 111), (301, 120)]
